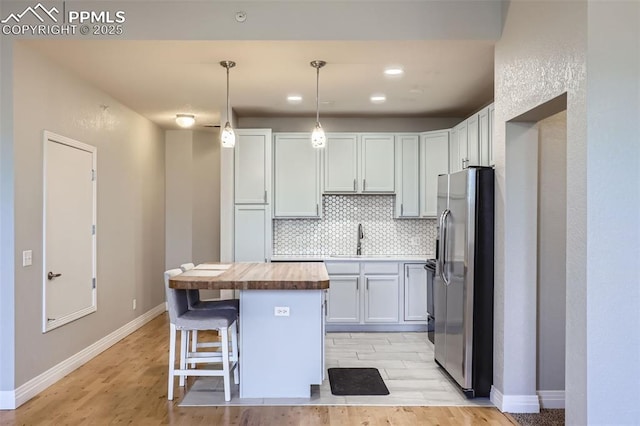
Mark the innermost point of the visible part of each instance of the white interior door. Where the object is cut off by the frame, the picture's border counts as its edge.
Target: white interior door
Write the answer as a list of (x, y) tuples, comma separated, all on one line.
[(69, 230)]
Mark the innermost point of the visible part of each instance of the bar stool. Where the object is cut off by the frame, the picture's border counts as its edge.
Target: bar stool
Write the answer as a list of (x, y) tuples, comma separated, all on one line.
[(185, 320), (193, 297)]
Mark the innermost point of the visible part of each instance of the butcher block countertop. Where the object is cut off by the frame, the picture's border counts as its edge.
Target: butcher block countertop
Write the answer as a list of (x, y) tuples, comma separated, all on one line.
[(254, 276)]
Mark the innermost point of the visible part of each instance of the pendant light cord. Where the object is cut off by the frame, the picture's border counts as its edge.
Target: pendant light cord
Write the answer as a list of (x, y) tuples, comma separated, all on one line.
[(317, 95), (228, 120)]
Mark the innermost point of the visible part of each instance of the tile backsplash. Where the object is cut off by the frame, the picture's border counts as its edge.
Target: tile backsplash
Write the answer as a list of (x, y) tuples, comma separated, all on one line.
[(336, 232)]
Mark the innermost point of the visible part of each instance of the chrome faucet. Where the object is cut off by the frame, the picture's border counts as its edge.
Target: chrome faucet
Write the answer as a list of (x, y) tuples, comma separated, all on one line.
[(360, 237)]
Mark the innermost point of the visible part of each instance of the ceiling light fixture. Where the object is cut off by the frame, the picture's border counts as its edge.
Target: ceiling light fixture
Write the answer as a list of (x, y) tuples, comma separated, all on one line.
[(185, 120), (393, 71), (228, 136), (377, 99), (318, 138), (294, 99)]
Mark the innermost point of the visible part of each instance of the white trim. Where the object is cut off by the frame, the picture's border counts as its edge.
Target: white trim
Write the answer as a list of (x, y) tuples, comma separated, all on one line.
[(14, 399), (514, 403), (551, 399), (7, 400)]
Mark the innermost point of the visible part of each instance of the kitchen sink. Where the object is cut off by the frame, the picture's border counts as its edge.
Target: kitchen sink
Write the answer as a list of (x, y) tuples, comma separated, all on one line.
[(360, 256)]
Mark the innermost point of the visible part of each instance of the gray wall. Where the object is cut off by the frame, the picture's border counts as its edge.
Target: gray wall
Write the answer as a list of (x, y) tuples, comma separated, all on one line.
[(552, 245), (349, 124), (598, 39), (7, 317), (130, 217)]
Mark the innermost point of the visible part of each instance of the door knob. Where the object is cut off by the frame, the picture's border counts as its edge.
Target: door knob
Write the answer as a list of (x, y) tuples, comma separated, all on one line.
[(51, 275)]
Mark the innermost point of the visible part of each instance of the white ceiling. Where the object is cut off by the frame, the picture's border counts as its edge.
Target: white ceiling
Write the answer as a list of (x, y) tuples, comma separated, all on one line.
[(159, 79)]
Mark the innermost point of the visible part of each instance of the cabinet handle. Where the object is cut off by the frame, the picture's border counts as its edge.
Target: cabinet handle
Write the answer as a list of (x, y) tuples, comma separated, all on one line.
[(354, 184), (364, 184), (357, 284), (317, 210), (401, 209), (265, 196)]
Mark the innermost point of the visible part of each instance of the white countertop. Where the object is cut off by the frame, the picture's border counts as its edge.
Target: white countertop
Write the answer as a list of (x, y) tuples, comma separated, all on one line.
[(351, 258)]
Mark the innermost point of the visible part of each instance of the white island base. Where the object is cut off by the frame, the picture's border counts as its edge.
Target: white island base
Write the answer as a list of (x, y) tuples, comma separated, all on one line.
[(281, 356)]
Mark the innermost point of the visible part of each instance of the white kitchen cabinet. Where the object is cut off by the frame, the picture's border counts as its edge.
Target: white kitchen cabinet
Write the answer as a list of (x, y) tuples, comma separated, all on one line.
[(378, 163), (296, 176), (473, 141), (454, 155), (415, 292), (343, 299), (341, 163), (492, 161), (252, 168), (459, 142), (252, 233), (434, 161), (381, 298), (407, 176), (484, 135)]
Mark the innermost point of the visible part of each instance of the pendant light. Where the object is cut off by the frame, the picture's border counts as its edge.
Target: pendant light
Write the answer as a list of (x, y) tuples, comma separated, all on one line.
[(228, 136), (318, 138)]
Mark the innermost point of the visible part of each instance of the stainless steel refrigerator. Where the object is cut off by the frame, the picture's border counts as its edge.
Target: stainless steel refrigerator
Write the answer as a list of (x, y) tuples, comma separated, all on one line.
[(463, 286)]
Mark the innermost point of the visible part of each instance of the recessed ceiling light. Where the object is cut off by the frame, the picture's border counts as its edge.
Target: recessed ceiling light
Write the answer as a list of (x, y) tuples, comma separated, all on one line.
[(393, 71), (185, 120), (294, 99), (378, 99)]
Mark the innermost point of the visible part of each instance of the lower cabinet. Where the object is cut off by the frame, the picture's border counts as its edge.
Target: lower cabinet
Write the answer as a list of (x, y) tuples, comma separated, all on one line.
[(415, 292), (374, 296), (381, 298), (343, 299), (252, 233)]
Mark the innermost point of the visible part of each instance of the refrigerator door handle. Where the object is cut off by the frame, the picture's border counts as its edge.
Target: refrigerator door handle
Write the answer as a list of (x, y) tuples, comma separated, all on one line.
[(444, 234)]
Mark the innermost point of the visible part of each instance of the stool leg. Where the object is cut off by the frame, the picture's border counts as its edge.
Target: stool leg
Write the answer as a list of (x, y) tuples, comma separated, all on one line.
[(184, 351), (225, 363), (194, 344), (172, 360), (234, 353)]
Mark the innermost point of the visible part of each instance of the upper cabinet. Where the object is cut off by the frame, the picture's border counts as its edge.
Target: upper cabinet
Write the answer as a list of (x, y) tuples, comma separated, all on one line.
[(378, 173), (471, 142), (359, 163), (252, 171), (296, 176), (434, 161), (407, 175), (341, 163)]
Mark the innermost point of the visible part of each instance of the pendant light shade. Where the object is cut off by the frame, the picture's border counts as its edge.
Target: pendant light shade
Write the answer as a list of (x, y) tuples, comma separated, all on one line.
[(318, 138), (228, 136)]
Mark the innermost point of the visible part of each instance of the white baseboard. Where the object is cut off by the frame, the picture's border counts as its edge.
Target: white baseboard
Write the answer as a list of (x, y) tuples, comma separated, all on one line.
[(551, 399), (514, 403), (7, 400), (22, 394)]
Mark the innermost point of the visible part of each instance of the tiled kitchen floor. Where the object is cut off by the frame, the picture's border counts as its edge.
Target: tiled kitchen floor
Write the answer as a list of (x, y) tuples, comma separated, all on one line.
[(405, 362)]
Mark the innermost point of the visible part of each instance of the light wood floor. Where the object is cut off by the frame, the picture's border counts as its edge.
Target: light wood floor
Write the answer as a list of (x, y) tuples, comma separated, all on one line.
[(127, 384)]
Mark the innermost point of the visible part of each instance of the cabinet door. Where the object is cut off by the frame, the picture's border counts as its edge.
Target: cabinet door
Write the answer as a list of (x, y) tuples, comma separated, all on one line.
[(297, 176), (343, 301), (252, 171), (415, 292), (252, 236), (492, 161), (473, 141), (341, 163), (483, 134), (407, 176), (463, 157), (434, 158), (454, 155), (381, 298), (378, 163)]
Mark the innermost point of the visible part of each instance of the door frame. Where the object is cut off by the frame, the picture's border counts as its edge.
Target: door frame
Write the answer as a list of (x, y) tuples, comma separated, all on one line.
[(50, 136)]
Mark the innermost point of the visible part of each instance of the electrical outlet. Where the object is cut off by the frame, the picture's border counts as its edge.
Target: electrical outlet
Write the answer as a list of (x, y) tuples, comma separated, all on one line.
[(134, 304), (281, 311), (27, 258)]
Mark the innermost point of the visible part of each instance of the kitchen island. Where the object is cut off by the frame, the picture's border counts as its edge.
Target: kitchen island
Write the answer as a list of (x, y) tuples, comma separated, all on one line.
[(281, 322)]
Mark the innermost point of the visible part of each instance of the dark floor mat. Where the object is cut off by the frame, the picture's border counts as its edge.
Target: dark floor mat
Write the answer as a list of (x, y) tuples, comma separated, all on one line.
[(356, 381)]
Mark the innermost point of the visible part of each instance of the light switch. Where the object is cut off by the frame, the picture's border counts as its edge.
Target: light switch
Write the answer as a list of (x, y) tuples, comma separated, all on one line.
[(27, 258)]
